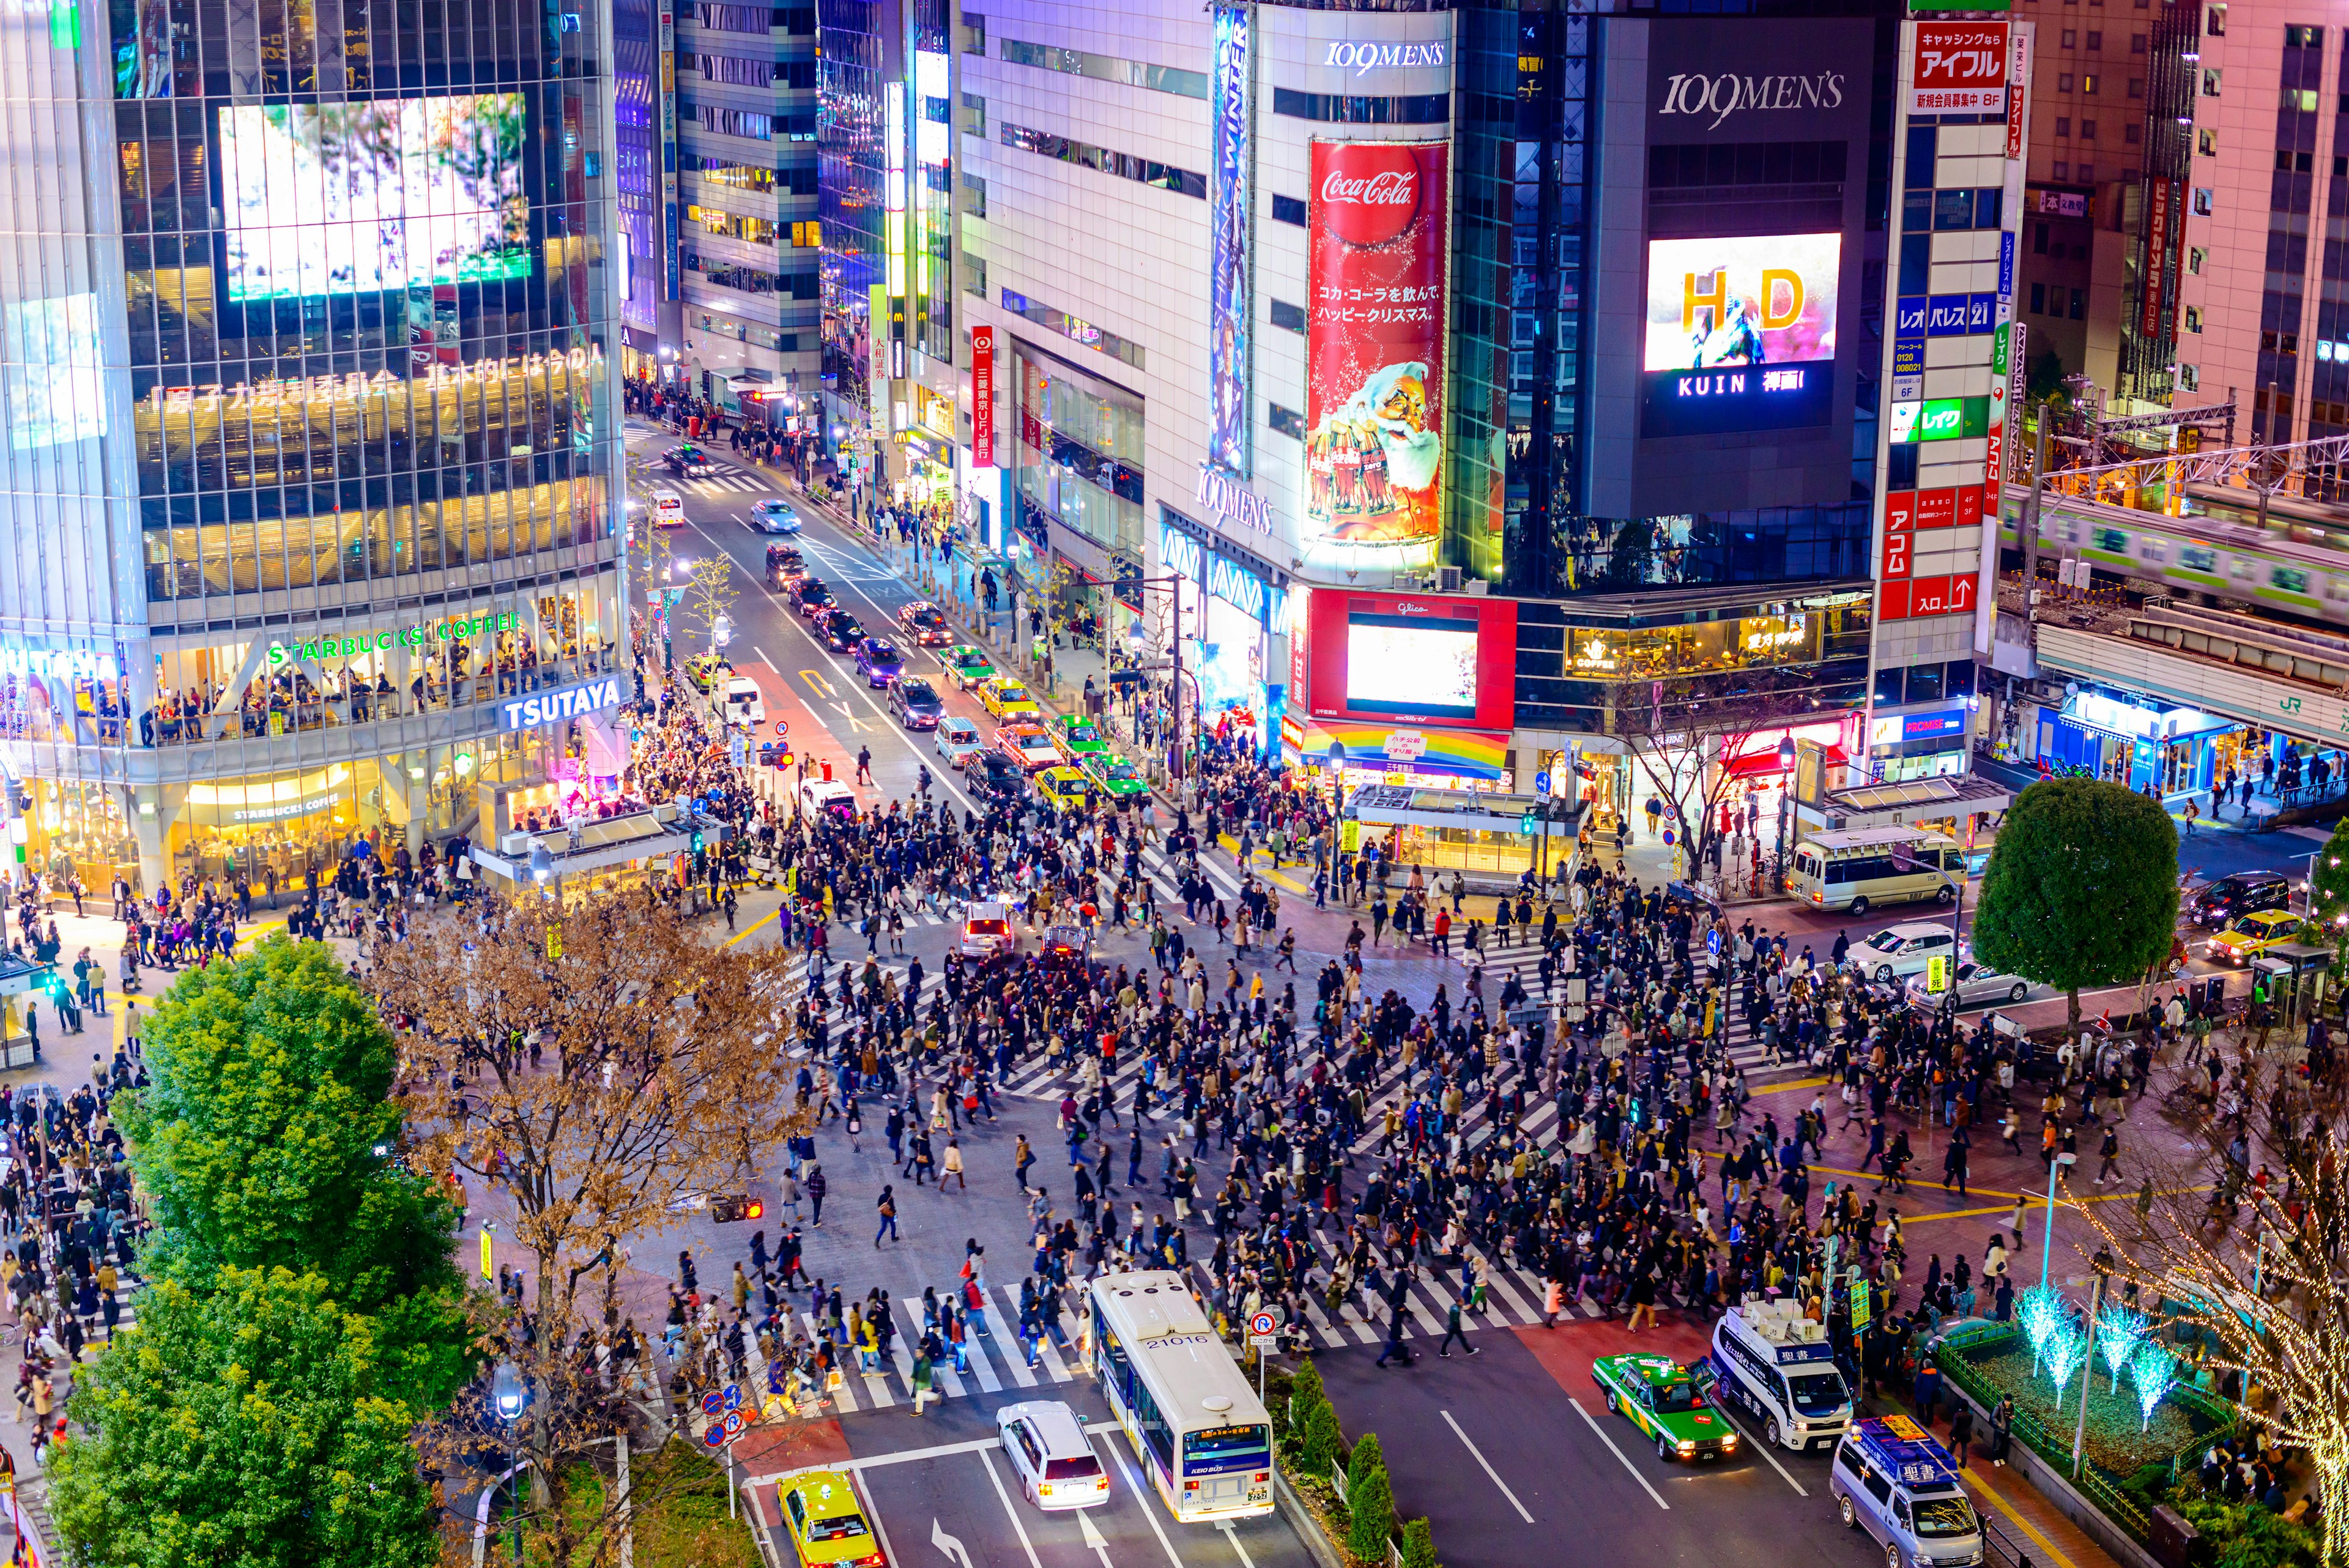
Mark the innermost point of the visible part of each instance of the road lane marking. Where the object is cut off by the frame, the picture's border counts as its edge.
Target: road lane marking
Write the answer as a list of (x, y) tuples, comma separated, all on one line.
[(1721, 1406), (1234, 1537), (1494, 1476), (2055, 1554), (1025, 1544), (765, 660), (1141, 1497), (950, 1544), (1626, 1459), (876, 1461), (1093, 1537), (817, 683)]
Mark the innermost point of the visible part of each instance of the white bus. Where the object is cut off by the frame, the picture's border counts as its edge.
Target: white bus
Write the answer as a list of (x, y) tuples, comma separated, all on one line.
[(1195, 1422)]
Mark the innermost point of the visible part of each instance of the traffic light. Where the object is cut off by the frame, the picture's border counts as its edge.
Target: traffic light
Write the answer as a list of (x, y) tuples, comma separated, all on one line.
[(730, 1208)]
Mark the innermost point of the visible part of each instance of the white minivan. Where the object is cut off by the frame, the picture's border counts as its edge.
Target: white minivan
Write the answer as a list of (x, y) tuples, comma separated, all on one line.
[(1896, 953), (1776, 1363), (668, 509), (744, 705)]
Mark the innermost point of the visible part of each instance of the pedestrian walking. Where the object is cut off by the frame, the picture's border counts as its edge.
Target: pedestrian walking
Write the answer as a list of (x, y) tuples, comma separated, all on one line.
[(887, 1210)]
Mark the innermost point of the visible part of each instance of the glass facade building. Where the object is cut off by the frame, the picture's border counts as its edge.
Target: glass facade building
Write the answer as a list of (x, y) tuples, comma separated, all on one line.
[(305, 350)]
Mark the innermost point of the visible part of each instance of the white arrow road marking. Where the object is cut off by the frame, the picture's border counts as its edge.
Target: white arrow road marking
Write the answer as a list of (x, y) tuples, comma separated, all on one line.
[(948, 1544), (1234, 1537), (1094, 1540)]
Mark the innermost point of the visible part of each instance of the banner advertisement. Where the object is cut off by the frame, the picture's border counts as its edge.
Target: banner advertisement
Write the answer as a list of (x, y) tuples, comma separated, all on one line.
[(1231, 195), (2018, 85), (1375, 353), (982, 397), (1960, 67)]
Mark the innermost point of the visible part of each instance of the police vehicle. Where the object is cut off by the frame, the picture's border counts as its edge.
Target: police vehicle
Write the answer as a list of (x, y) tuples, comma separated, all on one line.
[(1893, 1480), (1770, 1359)]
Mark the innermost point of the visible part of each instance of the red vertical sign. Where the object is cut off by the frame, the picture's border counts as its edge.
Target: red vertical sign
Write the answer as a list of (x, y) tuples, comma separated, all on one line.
[(982, 397), (2159, 219), (1900, 518), (2018, 86), (1374, 342)]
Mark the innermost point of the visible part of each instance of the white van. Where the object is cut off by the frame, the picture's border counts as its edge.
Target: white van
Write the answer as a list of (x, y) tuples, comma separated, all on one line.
[(668, 509), (1772, 1361), (743, 704)]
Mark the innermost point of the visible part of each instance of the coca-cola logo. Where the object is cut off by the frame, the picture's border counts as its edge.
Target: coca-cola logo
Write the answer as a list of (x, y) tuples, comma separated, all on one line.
[(1369, 193)]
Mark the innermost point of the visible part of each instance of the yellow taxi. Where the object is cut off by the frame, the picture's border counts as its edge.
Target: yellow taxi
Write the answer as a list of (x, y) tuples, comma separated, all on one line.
[(2245, 937), (826, 1525), (703, 670), (1005, 697), (1064, 788)]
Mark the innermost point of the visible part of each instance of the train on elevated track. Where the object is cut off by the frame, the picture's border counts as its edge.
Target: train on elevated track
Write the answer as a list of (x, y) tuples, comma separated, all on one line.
[(2298, 565)]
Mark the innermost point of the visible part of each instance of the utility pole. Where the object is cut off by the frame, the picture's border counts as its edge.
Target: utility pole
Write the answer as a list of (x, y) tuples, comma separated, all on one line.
[(2029, 527)]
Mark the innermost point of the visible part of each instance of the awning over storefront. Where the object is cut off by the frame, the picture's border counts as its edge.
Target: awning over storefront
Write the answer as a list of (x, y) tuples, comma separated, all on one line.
[(1402, 804), (1909, 803)]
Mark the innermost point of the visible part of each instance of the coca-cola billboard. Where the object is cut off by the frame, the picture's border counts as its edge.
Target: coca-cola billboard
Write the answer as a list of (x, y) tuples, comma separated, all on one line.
[(1375, 353)]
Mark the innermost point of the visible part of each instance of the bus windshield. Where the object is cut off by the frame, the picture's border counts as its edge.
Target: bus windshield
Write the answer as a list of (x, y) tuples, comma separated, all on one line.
[(1226, 1449)]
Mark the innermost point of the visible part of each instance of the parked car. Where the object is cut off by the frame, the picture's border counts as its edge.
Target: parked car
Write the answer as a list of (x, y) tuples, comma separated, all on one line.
[(924, 625), (774, 517), (878, 660), (958, 741), (744, 704), (704, 670)]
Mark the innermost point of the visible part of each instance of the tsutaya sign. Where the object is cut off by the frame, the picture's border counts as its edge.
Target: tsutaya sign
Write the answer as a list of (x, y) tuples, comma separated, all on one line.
[(564, 703), (63, 664), (456, 629)]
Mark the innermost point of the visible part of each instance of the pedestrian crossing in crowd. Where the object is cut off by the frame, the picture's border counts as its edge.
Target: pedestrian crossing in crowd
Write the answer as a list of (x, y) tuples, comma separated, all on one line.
[(1522, 960), (991, 1361)]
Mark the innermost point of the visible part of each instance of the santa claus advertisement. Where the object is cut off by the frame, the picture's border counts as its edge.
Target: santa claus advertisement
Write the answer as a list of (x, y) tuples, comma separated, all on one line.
[(1375, 353)]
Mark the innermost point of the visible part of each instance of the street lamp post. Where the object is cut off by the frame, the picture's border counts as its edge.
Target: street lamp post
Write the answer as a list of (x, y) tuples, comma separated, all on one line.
[(1786, 797), (508, 1397)]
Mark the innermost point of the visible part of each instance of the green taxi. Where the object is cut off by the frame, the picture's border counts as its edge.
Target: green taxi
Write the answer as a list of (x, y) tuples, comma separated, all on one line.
[(703, 670), (1078, 736), (1119, 780), (966, 665), (1658, 1395)]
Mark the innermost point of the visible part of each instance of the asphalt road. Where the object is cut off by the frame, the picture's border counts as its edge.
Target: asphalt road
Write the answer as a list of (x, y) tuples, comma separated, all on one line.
[(1512, 1454), (941, 1490)]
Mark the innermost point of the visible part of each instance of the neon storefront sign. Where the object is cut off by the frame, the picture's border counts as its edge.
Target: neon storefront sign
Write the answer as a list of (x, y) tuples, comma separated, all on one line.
[(455, 629)]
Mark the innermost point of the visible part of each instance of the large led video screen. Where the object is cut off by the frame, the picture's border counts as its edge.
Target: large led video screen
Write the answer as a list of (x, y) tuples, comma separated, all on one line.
[(1411, 664), (354, 197), (1741, 333)]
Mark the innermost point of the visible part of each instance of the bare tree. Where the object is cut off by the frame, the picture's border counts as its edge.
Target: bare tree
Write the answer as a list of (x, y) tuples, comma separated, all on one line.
[(603, 1068), (2245, 1239), (709, 588), (1684, 734)]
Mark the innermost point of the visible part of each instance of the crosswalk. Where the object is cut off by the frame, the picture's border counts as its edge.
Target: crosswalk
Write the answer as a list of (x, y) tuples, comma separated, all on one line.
[(729, 481), (1523, 960), (991, 1359)]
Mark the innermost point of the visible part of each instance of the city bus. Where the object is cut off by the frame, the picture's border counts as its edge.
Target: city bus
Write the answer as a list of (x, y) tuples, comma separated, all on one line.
[(1195, 1423), (1857, 869)]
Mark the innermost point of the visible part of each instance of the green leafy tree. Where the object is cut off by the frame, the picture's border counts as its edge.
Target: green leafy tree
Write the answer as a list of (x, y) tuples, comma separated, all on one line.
[(2082, 888), (2329, 889), (1317, 1441), (1419, 1545), (264, 1139), (240, 1427), (1370, 1502), (2247, 1535)]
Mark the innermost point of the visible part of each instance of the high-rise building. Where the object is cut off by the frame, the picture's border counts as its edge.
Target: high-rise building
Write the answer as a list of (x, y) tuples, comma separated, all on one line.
[(2246, 294), (307, 371), (747, 237)]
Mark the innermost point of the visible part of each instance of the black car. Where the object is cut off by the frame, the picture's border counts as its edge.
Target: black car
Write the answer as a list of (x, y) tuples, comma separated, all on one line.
[(2239, 893), (997, 773), (916, 703), (839, 631), (812, 598)]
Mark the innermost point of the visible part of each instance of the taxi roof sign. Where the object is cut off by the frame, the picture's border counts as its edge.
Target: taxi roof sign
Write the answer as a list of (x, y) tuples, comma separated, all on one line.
[(1906, 1450)]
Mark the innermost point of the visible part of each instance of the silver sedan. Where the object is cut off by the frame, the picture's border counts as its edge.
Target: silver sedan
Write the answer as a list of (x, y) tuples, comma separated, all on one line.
[(1976, 985)]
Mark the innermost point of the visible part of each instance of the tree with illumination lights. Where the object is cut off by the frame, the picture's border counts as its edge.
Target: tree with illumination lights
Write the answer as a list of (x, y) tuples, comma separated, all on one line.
[(2328, 892), (2261, 1275)]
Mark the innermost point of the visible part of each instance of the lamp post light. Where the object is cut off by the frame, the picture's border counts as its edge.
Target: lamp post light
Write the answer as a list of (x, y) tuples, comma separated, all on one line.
[(508, 1397), (1786, 797)]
